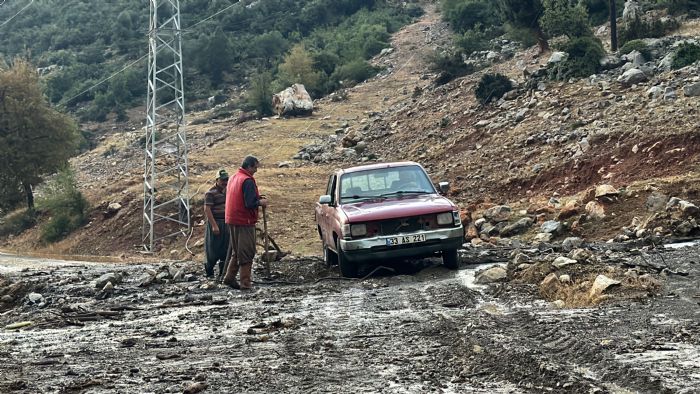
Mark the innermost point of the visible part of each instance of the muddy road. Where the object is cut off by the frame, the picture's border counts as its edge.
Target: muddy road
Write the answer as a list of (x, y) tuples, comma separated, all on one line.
[(164, 328)]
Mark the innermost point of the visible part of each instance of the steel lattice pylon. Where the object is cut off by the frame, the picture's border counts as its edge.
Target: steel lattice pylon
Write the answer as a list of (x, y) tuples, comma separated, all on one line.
[(166, 205)]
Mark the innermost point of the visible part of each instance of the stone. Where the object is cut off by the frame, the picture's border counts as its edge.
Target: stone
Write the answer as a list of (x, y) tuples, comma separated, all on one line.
[(571, 243), (108, 288), (581, 255), (549, 285), (35, 298), (109, 277), (6, 299), (294, 100), (557, 57), (656, 201), (543, 237), (491, 275), (517, 227), (632, 76), (654, 93), (499, 213), (692, 90), (606, 191), (562, 261), (688, 208), (565, 278), (631, 11), (551, 226), (601, 284), (595, 210), (284, 164)]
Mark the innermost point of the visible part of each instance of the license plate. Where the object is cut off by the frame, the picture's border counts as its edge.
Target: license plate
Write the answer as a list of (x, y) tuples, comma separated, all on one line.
[(405, 239)]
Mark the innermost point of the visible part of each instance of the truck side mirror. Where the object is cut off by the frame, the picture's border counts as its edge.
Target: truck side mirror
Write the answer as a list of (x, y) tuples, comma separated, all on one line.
[(324, 199), (444, 187)]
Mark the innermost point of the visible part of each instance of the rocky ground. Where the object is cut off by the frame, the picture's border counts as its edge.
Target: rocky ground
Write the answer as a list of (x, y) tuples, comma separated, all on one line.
[(415, 327)]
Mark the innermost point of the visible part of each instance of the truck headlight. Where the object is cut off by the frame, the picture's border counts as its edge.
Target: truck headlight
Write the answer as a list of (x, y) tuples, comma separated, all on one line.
[(358, 230), (445, 218)]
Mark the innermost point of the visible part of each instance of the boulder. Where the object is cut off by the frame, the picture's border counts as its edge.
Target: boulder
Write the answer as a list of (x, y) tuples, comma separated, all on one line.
[(499, 213), (294, 100), (491, 275), (692, 90), (605, 190), (595, 210), (543, 237), (631, 11), (549, 285), (571, 243), (558, 57), (551, 226), (632, 76), (688, 208), (601, 284), (110, 277), (517, 227)]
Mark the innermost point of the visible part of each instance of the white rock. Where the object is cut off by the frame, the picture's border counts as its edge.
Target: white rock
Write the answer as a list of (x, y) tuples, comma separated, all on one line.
[(562, 261), (601, 284)]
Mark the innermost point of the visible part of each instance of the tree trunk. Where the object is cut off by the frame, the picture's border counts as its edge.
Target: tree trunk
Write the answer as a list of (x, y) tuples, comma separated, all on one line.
[(613, 26), (30, 195), (541, 40)]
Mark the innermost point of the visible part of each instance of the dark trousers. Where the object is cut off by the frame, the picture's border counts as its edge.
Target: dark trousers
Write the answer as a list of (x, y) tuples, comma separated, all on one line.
[(216, 247)]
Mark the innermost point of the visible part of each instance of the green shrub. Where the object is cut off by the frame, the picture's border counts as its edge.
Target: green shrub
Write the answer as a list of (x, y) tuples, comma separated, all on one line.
[(685, 55), (492, 87), (354, 72), (640, 28), (16, 223), (692, 7), (584, 59), (66, 204), (472, 41), (449, 66), (636, 45)]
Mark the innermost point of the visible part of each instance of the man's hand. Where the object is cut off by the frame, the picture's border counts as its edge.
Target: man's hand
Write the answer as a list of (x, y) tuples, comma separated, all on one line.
[(215, 229), (262, 202)]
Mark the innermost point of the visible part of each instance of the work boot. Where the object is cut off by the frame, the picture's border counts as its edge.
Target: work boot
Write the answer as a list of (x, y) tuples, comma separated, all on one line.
[(231, 272), (246, 276)]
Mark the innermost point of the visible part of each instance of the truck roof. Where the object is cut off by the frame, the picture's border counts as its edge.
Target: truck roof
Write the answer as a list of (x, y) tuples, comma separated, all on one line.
[(378, 165)]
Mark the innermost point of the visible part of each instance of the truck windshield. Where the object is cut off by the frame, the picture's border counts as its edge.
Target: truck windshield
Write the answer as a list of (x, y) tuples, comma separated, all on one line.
[(384, 182)]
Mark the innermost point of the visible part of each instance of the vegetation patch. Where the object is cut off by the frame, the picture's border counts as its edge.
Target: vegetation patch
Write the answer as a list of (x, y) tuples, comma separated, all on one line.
[(584, 59), (636, 45), (685, 55), (66, 205), (492, 87)]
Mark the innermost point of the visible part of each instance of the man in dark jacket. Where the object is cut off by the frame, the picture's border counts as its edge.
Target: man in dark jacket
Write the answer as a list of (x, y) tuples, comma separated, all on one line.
[(242, 202), (216, 234)]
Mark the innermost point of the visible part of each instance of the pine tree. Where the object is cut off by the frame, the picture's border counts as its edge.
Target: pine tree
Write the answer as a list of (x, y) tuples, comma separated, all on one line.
[(34, 138)]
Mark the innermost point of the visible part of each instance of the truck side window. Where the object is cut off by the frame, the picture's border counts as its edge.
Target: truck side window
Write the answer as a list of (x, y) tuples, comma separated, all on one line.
[(332, 189)]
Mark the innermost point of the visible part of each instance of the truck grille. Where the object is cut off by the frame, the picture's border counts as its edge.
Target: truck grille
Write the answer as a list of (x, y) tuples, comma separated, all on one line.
[(403, 225)]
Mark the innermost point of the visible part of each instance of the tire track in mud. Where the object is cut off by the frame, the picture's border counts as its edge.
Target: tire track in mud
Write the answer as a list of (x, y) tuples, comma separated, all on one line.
[(428, 332)]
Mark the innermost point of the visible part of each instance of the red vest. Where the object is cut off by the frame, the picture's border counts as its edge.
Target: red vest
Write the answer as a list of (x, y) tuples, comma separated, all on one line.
[(236, 212)]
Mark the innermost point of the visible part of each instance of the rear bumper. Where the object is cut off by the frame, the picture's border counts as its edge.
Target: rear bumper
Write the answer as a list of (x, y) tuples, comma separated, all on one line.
[(375, 248)]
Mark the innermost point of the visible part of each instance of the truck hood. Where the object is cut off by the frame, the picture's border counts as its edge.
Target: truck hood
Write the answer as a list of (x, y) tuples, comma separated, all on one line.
[(396, 207)]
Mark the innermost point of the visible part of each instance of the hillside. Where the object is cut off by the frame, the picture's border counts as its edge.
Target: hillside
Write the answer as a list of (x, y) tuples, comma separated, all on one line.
[(542, 151)]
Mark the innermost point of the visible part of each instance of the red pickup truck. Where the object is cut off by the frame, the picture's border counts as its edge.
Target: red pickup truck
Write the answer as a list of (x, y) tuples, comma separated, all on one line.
[(386, 211)]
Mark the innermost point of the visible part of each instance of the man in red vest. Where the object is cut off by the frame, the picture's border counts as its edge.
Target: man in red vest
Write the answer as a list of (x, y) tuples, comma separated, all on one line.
[(242, 202)]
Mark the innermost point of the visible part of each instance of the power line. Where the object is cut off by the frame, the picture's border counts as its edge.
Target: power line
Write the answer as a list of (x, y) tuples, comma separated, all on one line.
[(18, 12)]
